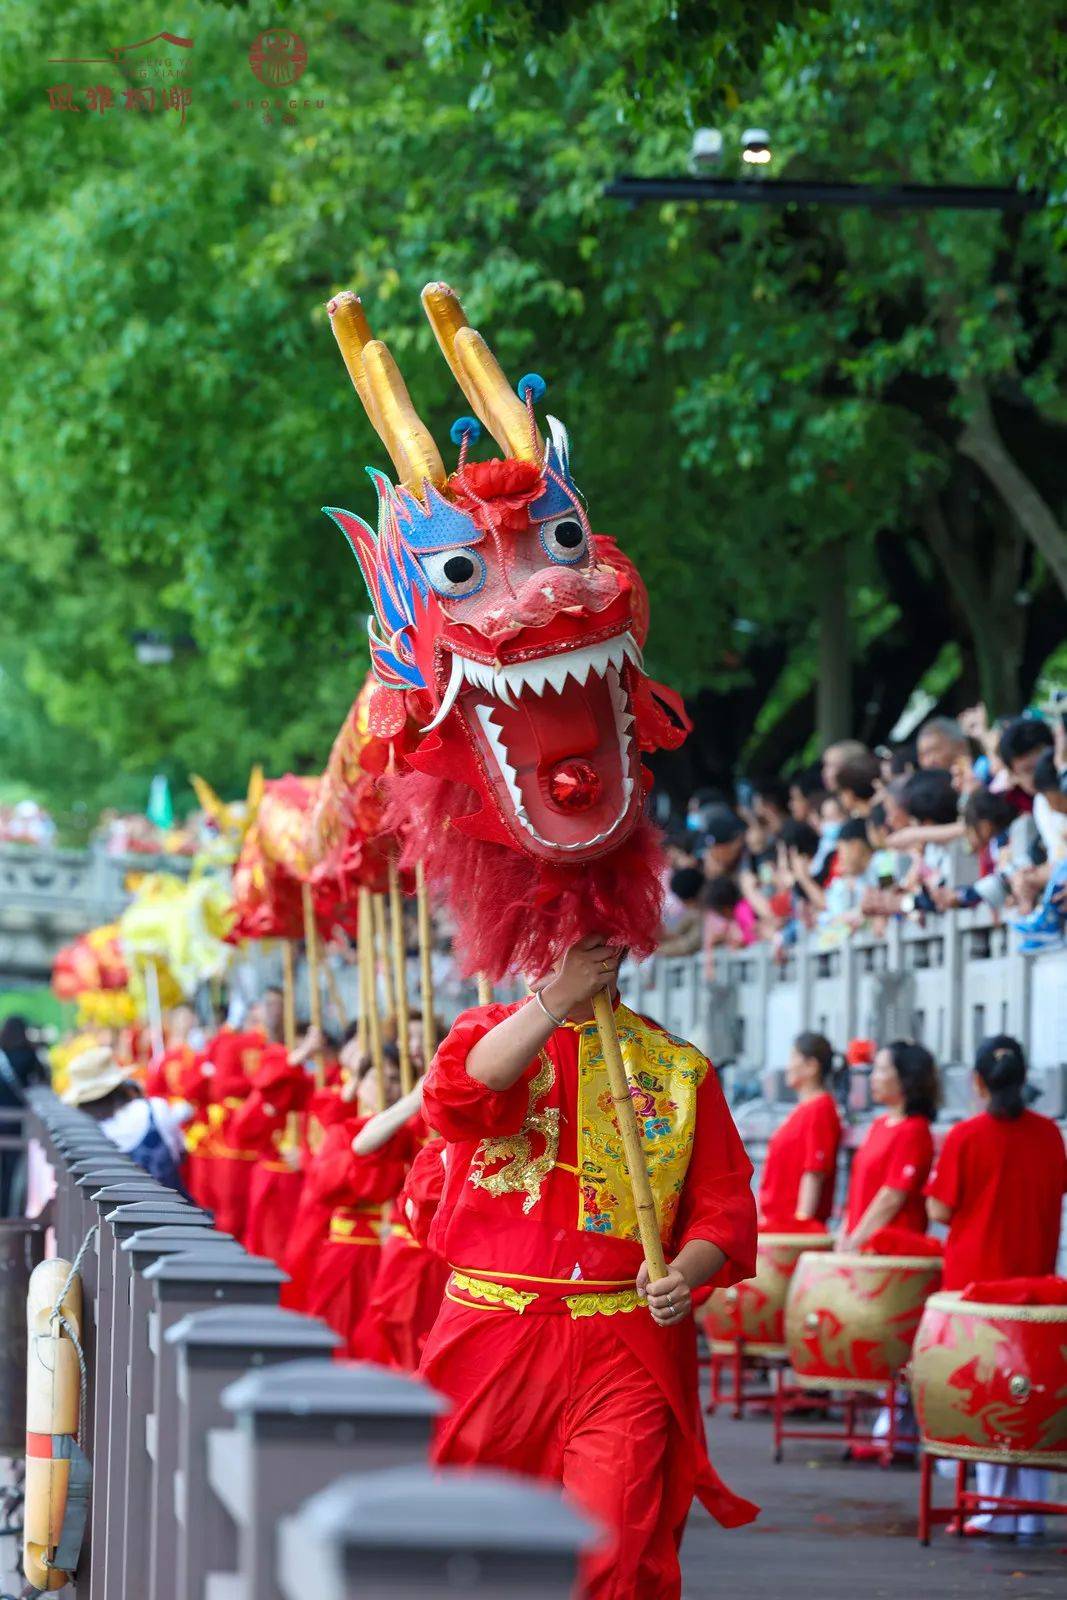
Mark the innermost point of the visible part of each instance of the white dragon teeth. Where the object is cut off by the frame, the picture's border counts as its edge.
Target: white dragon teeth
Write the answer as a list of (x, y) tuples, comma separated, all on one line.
[(606, 660), (506, 681)]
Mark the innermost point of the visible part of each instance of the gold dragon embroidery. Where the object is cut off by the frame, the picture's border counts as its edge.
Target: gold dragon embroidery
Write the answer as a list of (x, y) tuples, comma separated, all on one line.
[(522, 1171)]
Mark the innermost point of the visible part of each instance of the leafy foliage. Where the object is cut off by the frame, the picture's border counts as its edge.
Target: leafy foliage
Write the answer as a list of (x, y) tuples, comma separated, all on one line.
[(745, 387)]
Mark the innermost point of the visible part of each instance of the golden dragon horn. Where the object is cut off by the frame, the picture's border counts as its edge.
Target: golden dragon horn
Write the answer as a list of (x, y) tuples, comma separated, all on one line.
[(385, 398), (480, 376)]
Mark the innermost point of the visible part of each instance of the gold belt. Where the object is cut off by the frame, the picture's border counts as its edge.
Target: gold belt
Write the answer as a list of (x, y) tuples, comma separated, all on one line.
[(485, 1293)]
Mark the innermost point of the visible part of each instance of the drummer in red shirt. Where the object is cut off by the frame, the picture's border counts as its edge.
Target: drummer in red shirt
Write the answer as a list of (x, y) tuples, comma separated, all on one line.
[(892, 1164), (999, 1184), (797, 1182)]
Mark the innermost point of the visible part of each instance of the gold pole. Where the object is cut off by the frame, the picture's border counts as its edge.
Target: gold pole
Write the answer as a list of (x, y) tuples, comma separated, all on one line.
[(369, 1011), (381, 955), (485, 990), (288, 997), (335, 995), (400, 980), (647, 1220), (311, 943), (291, 1139), (429, 1021)]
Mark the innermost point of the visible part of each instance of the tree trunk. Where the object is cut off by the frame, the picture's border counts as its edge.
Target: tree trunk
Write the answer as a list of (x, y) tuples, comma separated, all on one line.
[(984, 576), (833, 716), (981, 442)]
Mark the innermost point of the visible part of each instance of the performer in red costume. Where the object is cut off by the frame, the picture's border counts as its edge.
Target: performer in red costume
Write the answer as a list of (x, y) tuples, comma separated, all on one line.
[(797, 1181), (559, 1359), (891, 1166), (358, 1188), (511, 634), (411, 1278), (225, 1168), (999, 1183), (281, 1088), (165, 1077)]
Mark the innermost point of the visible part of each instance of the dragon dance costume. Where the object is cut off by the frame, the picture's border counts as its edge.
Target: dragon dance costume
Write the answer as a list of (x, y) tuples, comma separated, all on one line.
[(509, 634)]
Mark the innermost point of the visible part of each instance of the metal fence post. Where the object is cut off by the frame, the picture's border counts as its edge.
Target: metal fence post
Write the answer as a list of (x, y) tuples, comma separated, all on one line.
[(112, 1345), (411, 1533), (214, 1347), (129, 1509), (299, 1426), (183, 1284)]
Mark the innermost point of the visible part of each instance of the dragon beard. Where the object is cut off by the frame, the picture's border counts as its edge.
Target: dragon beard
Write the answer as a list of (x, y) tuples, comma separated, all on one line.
[(513, 913)]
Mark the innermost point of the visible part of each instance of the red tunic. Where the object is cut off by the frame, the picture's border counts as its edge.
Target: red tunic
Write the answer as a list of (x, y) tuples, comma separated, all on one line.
[(807, 1141), (234, 1058), (279, 1089), (357, 1189), (310, 1223), (554, 1365), (894, 1155), (1004, 1181), (411, 1279)]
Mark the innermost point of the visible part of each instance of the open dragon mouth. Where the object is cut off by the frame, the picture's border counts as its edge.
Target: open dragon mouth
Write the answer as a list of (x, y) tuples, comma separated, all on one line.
[(555, 736)]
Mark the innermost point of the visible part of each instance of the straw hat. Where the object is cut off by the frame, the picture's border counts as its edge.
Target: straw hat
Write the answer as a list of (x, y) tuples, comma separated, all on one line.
[(92, 1075)]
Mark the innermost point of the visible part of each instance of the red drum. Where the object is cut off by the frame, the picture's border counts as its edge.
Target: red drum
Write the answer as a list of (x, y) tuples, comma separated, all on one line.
[(850, 1318), (989, 1382), (754, 1311)]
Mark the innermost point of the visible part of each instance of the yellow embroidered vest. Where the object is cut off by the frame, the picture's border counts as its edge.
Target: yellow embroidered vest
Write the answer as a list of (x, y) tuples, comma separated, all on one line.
[(664, 1075)]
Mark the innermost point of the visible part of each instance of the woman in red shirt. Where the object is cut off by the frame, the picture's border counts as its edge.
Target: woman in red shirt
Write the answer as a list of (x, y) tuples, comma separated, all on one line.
[(891, 1166), (999, 1183), (797, 1181)]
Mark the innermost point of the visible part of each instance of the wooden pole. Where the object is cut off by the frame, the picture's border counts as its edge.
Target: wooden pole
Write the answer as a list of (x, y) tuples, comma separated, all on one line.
[(400, 980), (288, 997), (369, 975), (311, 944), (485, 990), (292, 1140), (429, 1021), (647, 1220), (335, 996), (381, 954)]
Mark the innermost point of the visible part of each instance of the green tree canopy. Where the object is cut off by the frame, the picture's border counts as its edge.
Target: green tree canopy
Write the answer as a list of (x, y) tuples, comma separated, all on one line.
[(757, 398)]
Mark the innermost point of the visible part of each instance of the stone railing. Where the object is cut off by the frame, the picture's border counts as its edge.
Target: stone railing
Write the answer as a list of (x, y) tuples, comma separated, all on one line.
[(233, 1457)]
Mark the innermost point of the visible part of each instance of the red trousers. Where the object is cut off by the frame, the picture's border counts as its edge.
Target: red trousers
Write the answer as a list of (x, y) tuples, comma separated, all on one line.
[(404, 1305), (273, 1202), (230, 1179), (346, 1266), (308, 1233), (599, 1404)]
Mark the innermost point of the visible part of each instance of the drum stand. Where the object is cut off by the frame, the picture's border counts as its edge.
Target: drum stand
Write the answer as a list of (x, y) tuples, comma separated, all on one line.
[(855, 1400), (738, 1364), (969, 1503)]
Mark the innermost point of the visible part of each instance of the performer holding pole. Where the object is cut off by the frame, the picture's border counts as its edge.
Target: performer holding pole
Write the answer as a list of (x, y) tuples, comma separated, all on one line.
[(400, 979), (429, 1019), (311, 945), (369, 977), (595, 1178)]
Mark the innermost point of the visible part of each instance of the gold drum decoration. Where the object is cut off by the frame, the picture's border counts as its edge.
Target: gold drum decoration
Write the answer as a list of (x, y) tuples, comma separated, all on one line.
[(989, 1382), (754, 1311), (850, 1318)]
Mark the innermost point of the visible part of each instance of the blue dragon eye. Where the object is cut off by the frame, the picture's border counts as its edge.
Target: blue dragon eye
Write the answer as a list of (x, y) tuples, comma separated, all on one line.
[(454, 574), (564, 540)]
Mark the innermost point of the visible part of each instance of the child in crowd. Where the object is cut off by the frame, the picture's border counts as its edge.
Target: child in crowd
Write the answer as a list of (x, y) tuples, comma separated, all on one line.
[(840, 903), (729, 920), (1045, 927), (684, 935)]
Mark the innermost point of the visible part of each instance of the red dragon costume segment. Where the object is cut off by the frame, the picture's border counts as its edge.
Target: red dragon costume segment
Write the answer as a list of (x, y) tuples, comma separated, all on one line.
[(513, 633)]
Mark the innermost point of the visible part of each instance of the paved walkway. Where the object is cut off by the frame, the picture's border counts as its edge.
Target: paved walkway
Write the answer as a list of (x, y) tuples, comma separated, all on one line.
[(831, 1531)]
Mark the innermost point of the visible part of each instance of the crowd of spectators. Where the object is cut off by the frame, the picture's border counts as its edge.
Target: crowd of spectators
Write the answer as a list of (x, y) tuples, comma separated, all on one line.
[(966, 814)]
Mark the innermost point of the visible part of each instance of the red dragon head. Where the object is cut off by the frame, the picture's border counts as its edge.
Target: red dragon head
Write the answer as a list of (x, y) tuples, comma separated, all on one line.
[(518, 629)]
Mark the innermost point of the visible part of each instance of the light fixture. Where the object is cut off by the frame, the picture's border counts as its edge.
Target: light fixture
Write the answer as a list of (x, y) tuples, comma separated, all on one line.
[(756, 147), (706, 150)]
